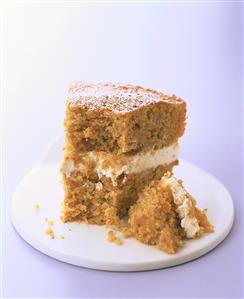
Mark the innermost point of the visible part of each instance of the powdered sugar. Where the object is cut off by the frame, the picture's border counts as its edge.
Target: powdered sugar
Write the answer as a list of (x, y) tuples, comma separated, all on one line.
[(116, 97)]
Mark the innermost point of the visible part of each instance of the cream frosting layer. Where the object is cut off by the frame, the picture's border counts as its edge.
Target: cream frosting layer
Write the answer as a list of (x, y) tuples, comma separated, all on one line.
[(113, 166), (138, 162), (184, 207)]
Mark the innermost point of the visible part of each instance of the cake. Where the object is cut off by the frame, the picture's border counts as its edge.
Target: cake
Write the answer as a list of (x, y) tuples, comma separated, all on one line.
[(118, 139), (165, 215)]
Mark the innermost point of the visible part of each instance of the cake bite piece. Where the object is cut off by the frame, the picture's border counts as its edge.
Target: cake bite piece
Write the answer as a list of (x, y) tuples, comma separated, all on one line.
[(118, 138), (165, 215)]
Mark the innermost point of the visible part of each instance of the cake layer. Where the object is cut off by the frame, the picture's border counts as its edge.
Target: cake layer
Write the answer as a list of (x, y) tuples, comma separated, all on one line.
[(113, 166), (98, 200), (121, 118)]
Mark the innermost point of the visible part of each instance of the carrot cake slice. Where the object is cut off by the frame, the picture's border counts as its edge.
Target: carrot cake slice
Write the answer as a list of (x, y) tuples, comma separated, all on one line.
[(118, 138), (165, 214)]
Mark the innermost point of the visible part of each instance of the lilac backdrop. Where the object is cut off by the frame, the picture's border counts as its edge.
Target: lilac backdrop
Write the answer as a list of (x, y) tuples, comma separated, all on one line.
[(193, 50)]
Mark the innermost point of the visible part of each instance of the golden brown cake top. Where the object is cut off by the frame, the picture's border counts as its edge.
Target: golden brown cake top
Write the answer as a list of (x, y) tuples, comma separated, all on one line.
[(119, 98)]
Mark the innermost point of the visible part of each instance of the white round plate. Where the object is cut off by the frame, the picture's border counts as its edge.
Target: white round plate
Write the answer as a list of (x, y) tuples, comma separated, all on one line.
[(86, 245)]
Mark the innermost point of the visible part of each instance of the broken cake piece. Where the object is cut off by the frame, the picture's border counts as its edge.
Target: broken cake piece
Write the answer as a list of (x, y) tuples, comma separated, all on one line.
[(165, 214)]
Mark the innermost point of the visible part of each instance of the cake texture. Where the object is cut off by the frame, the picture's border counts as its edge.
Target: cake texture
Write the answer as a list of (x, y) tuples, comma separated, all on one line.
[(165, 214), (118, 138)]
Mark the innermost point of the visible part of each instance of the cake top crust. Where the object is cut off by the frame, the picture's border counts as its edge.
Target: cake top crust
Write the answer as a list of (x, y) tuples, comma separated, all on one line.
[(119, 98)]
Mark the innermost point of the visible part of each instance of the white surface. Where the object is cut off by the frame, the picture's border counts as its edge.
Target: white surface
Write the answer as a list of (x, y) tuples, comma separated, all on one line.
[(86, 245)]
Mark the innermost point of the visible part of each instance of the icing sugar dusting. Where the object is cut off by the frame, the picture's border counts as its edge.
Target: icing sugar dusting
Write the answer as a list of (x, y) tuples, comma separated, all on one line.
[(116, 97)]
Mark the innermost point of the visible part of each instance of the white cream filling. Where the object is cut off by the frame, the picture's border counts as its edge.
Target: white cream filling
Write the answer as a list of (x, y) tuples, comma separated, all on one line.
[(139, 162), (132, 164), (184, 206), (110, 173)]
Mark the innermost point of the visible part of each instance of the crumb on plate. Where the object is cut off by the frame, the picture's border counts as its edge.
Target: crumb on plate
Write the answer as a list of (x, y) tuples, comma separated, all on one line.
[(50, 223), (49, 231), (126, 231), (37, 206), (111, 237)]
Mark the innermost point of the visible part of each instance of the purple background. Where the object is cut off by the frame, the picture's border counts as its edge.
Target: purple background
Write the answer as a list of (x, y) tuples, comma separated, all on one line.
[(193, 50)]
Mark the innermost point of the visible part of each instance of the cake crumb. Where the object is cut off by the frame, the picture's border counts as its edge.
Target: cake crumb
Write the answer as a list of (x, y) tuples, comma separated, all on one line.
[(111, 237), (37, 206), (49, 231), (50, 223), (46, 219), (127, 233), (62, 237)]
